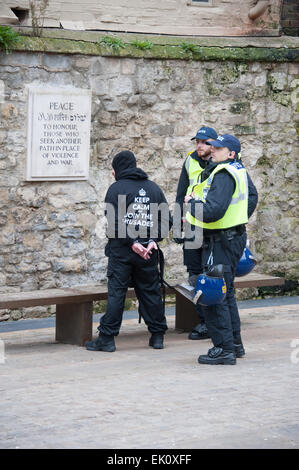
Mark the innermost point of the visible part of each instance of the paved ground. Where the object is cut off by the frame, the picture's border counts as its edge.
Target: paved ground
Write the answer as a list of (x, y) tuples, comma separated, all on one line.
[(61, 396)]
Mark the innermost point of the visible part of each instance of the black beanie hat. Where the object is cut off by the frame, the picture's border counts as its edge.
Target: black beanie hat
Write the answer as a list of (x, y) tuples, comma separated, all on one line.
[(123, 160)]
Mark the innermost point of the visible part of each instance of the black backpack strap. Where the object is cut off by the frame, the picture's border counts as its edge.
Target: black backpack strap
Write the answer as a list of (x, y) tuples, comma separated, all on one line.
[(161, 263)]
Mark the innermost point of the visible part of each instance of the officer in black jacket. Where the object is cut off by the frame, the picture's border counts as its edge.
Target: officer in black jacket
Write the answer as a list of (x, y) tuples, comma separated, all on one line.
[(225, 245), (195, 163), (135, 225)]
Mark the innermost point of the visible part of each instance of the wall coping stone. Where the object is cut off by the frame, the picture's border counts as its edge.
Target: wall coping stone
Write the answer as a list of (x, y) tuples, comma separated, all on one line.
[(282, 49)]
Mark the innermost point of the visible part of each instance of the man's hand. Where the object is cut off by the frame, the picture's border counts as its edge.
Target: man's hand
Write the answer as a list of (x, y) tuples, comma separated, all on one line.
[(145, 253), (140, 250), (150, 247), (188, 197)]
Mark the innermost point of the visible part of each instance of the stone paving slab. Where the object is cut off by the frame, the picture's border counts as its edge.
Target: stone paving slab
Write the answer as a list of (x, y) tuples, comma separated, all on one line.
[(58, 396)]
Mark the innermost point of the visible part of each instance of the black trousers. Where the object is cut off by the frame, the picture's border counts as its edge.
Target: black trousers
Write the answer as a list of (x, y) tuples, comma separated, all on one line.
[(193, 262), (123, 266), (223, 320)]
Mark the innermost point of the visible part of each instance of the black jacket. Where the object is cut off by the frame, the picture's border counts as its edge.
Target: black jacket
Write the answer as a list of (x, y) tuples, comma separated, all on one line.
[(129, 210)]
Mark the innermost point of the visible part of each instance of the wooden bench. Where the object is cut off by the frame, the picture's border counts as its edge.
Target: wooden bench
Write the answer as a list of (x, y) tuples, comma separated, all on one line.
[(74, 306)]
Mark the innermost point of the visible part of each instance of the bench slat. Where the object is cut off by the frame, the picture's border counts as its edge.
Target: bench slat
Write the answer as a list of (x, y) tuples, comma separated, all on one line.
[(59, 296), (258, 280), (93, 293), (53, 296)]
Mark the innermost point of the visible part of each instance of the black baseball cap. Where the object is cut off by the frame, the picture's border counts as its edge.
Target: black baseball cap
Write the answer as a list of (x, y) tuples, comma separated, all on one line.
[(205, 133), (227, 140)]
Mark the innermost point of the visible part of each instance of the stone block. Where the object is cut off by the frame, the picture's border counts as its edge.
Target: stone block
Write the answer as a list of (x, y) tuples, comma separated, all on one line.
[(3, 218), (128, 66), (9, 111), (293, 69), (244, 130), (16, 315), (109, 133), (104, 117), (99, 85), (148, 99), (124, 118), (68, 265), (26, 59), (235, 120), (133, 130), (32, 241), (73, 247), (111, 105), (59, 202), (4, 59), (86, 219), (82, 62), (56, 62), (43, 266), (7, 237), (122, 85), (239, 108), (31, 196), (278, 81), (71, 232), (105, 66), (2, 279), (132, 100), (4, 197), (260, 80), (2, 92), (147, 79), (51, 246), (163, 129), (34, 312)]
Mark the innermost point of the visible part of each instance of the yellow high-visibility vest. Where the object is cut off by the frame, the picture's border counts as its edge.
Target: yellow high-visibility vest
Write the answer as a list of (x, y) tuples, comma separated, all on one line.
[(194, 170), (237, 211)]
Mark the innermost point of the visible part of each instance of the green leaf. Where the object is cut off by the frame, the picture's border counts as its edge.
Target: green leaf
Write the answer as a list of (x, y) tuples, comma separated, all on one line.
[(143, 45), (113, 42), (8, 38)]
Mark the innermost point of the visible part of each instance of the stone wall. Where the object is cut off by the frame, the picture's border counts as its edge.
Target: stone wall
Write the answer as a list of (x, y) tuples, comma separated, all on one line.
[(52, 234)]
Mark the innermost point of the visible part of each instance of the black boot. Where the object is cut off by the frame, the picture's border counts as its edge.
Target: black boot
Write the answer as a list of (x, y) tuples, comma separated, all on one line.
[(218, 356), (102, 343), (200, 331), (239, 350), (156, 341)]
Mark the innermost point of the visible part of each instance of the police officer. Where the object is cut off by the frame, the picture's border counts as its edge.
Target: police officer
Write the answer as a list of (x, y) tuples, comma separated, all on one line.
[(194, 165), (227, 198), (133, 231)]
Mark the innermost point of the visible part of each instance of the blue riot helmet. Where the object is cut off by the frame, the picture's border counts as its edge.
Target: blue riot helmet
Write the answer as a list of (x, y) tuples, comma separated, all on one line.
[(210, 288), (246, 263)]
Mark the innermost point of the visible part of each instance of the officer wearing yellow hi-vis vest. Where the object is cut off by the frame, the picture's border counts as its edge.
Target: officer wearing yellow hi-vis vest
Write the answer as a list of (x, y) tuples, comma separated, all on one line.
[(219, 205), (236, 213), (195, 163)]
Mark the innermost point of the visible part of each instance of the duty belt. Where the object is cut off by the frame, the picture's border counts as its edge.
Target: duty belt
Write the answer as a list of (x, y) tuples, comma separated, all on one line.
[(229, 234)]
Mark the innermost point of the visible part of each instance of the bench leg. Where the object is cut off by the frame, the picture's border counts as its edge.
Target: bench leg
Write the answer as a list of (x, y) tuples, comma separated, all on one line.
[(185, 314), (74, 323)]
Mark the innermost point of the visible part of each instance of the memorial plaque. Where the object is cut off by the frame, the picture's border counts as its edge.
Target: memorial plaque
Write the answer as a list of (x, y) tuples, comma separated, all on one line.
[(58, 133)]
